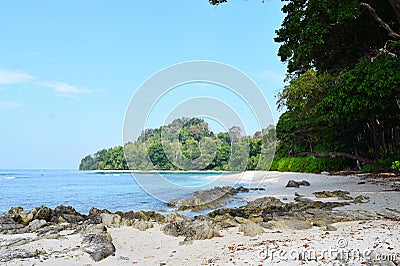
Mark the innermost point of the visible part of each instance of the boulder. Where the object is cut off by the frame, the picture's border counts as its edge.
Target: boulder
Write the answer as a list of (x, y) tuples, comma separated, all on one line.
[(43, 213), (142, 225), (305, 183), (111, 220), (201, 229), (292, 183), (143, 215), (8, 225), (98, 246), (297, 184), (35, 225), (251, 229), (228, 222), (15, 211), (25, 217), (175, 217), (62, 214), (288, 224), (265, 203)]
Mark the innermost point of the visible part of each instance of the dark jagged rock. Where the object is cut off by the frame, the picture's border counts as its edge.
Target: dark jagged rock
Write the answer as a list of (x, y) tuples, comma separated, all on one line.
[(14, 212), (67, 214), (98, 246), (94, 215), (96, 212), (97, 242), (43, 213), (265, 203), (20, 215), (243, 189), (142, 215)]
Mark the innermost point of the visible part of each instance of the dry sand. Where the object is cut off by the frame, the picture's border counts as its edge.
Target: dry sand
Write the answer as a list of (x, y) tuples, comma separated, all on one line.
[(355, 242)]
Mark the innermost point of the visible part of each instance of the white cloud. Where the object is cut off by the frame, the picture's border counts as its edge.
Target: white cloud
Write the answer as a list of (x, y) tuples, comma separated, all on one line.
[(65, 90), (14, 77), (10, 104)]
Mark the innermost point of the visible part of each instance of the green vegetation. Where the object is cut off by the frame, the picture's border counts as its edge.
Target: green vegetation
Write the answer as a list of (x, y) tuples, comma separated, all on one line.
[(188, 144), (396, 165), (343, 92), (307, 164), (340, 106)]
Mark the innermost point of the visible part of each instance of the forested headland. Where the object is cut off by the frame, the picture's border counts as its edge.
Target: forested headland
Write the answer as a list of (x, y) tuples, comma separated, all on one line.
[(188, 144), (340, 105)]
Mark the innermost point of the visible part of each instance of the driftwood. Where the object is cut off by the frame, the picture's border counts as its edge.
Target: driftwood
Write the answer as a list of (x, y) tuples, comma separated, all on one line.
[(350, 156)]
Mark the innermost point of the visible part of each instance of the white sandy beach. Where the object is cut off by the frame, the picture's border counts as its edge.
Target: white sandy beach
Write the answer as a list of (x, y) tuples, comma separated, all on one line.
[(356, 242)]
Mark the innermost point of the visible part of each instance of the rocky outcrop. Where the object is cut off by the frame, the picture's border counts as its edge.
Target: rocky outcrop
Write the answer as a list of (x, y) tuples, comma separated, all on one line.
[(272, 213), (251, 219), (67, 214), (339, 194), (209, 199), (197, 229), (205, 199)]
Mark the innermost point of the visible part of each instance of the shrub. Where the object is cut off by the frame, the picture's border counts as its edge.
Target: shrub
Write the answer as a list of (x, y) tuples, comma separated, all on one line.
[(307, 164), (396, 165)]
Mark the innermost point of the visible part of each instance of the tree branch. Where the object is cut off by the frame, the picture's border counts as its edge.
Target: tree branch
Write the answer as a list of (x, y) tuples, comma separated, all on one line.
[(396, 8), (372, 11)]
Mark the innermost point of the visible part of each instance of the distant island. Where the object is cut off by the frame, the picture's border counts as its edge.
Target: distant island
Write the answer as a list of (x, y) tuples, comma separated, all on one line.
[(199, 148), (202, 149)]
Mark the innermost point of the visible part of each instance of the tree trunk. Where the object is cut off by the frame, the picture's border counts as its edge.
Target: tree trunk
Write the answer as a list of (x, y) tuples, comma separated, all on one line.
[(374, 137), (397, 141), (358, 161), (384, 143)]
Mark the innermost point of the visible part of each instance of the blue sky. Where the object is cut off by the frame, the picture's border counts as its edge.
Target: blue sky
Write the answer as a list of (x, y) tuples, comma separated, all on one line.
[(69, 68)]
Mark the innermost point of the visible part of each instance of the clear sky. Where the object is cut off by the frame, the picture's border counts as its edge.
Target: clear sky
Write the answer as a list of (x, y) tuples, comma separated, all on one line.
[(69, 68)]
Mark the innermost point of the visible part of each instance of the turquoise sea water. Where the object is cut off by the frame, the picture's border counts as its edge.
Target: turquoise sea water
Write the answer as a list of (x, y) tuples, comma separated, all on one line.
[(83, 190)]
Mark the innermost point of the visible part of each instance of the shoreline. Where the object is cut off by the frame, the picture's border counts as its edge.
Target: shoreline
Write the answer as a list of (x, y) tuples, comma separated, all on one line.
[(160, 171), (64, 237)]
